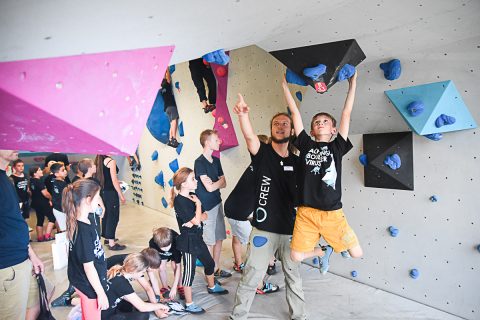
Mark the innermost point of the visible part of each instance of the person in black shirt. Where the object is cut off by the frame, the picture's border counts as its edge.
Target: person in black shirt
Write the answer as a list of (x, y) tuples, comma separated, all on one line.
[(199, 70), (119, 288), (164, 240), (319, 184), (59, 157), (20, 181), (42, 203), (87, 268), (190, 216), (58, 170), (273, 216), (170, 108)]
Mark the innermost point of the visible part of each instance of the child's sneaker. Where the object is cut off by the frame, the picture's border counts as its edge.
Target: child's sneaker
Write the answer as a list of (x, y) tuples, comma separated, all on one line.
[(268, 288), (222, 274), (345, 254), (181, 293), (193, 308), (323, 262), (239, 268), (217, 290)]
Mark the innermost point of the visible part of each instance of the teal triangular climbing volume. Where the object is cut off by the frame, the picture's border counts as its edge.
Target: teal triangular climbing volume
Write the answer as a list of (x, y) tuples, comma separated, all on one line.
[(438, 98)]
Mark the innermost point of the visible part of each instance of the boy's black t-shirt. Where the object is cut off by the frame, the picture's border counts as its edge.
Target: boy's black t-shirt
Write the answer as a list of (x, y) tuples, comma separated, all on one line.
[(167, 94), (320, 171), (275, 190), (38, 199), (118, 287), (171, 255), (188, 239), (21, 186), (48, 181), (86, 247), (57, 189), (214, 171)]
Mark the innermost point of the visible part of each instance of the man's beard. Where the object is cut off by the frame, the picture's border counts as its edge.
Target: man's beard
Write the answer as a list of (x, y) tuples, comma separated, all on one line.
[(280, 141)]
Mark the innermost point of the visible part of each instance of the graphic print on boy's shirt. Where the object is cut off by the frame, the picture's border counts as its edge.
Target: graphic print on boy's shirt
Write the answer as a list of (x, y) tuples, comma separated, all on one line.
[(322, 158)]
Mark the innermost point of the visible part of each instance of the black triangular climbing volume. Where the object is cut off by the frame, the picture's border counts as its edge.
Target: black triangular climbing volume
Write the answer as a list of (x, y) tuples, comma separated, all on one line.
[(333, 54), (379, 145)]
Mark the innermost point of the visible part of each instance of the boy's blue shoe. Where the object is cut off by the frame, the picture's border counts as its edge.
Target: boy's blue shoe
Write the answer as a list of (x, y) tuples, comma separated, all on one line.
[(193, 308), (323, 261), (217, 290), (345, 254)]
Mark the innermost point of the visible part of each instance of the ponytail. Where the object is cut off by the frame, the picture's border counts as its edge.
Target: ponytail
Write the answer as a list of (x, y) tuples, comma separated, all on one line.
[(114, 271), (72, 198), (133, 263), (178, 178)]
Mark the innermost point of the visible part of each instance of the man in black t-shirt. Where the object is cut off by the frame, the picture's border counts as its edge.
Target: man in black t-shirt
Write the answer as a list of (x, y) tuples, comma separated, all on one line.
[(273, 217)]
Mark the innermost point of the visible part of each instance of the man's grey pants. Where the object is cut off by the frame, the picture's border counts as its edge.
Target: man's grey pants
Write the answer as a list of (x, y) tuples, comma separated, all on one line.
[(259, 254)]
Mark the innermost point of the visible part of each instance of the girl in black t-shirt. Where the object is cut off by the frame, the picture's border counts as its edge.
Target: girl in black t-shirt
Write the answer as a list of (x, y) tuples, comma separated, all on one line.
[(42, 203), (190, 215), (87, 268), (119, 288)]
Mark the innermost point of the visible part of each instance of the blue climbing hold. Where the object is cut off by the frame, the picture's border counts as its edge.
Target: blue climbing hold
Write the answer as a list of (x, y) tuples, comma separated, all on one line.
[(391, 69), (434, 136), (299, 96), (414, 273), (259, 241), (180, 129), (218, 57), (171, 69), (170, 182), (316, 72), (315, 261), (415, 108), (354, 273), (198, 263), (393, 231), (346, 72), (434, 198), (157, 122), (393, 161), (179, 148), (443, 120), (294, 78), (160, 180), (177, 85), (173, 165), (363, 159), (154, 155), (164, 202)]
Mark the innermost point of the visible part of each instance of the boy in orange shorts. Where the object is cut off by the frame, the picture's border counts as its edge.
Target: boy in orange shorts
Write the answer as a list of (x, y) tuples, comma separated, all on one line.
[(319, 185)]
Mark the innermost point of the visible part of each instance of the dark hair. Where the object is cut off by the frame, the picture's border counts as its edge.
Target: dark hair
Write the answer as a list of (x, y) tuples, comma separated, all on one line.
[(32, 170), (205, 135), (72, 197), (17, 162), (99, 174), (178, 178), (84, 165), (152, 256), (54, 168), (334, 122)]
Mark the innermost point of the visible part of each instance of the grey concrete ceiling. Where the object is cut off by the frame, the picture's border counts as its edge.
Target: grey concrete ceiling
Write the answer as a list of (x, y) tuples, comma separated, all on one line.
[(435, 39)]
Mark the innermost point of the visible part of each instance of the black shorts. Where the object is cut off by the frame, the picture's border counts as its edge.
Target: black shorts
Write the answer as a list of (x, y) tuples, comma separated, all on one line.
[(172, 113)]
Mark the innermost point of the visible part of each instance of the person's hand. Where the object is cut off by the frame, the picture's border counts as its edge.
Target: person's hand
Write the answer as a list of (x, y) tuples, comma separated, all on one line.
[(50, 203), (187, 224), (173, 293), (241, 108), (102, 301), (207, 180), (122, 199), (204, 216), (37, 264), (195, 199), (353, 79)]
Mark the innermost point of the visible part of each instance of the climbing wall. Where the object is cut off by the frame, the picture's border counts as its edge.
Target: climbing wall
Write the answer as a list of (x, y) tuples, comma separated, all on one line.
[(251, 71)]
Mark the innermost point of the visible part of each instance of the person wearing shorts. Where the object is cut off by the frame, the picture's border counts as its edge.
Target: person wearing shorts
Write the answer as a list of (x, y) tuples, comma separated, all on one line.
[(208, 170), (170, 108)]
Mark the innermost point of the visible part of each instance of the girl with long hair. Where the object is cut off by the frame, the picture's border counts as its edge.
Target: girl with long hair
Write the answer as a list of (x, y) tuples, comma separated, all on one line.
[(190, 216)]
